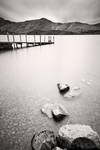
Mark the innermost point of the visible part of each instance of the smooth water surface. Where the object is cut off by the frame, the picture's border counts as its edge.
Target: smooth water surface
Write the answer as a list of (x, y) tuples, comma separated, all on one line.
[(28, 79)]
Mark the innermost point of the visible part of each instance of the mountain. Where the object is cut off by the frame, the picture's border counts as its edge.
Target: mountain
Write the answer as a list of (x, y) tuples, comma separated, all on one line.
[(97, 25), (3, 22), (45, 26)]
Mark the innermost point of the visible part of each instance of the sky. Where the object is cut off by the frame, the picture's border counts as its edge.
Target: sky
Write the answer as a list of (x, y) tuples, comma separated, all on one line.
[(56, 10)]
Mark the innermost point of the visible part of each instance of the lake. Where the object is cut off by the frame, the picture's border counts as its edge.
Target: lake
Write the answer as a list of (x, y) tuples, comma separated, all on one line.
[(28, 80)]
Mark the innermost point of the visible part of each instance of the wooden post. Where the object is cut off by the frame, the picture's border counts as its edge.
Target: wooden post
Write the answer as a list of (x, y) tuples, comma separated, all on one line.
[(49, 39), (44, 39), (53, 39), (14, 41), (34, 40), (26, 40), (16, 45), (21, 45), (8, 37), (40, 39), (20, 38)]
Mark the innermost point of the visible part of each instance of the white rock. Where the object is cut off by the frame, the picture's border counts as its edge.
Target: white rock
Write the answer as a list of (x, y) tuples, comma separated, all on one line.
[(72, 132), (48, 109), (57, 148)]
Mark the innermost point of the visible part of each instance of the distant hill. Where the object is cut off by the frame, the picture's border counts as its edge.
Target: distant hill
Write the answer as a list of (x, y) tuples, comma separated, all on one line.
[(97, 25), (45, 26)]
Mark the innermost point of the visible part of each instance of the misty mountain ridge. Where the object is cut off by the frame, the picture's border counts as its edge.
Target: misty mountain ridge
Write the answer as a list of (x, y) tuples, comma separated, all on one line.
[(45, 26)]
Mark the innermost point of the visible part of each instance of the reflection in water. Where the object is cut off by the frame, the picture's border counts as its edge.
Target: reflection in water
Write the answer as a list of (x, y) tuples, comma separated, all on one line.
[(29, 77)]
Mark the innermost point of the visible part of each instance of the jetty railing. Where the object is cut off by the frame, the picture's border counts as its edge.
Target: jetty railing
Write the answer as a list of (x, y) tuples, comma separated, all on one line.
[(22, 41)]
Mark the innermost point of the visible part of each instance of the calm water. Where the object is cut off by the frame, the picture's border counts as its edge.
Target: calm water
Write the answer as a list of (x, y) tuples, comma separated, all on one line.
[(28, 79)]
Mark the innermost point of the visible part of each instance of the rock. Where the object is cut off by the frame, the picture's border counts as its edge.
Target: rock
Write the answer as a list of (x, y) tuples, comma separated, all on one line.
[(62, 142), (58, 112), (76, 88), (63, 88), (47, 110), (57, 148), (82, 143), (45, 140), (72, 132), (67, 91), (88, 82), (73, 93)]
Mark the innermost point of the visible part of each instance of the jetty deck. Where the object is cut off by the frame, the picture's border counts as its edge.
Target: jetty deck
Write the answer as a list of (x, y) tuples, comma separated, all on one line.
[(16, 44)]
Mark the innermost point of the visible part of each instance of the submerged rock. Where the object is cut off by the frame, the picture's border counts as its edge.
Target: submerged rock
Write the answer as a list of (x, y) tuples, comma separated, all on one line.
[(47, 110), (67, 91), (56, 111), (45, 140), (72, 132), (63, 88), (58, 148), (82, 143), (73, 93), (62, 142)]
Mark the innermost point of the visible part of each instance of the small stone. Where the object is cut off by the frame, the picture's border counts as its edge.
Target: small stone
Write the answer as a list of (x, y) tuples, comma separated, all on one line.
[(73, 93), (76, 88), (57, 148), (59, 113), (63, 88)]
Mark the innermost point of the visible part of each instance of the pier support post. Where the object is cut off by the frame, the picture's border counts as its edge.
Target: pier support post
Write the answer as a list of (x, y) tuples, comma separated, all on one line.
[(44, 39), (16, 45), (20, 38), (26, 40), (8, 37), (34, 40), (14, 41), (40, 39), (21, 45), (53, 39), (49, 39)]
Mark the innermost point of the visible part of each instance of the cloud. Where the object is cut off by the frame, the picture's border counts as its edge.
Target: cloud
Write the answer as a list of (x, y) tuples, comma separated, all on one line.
[(57, 10)]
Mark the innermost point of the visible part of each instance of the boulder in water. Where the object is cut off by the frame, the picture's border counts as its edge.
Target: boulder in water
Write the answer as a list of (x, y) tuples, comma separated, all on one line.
[(63, 88), (72, 93), (67, 91), (47, 110), (83, 143), (62, 142), (72, 132), (45, 140), (56, 111), (59, 113)]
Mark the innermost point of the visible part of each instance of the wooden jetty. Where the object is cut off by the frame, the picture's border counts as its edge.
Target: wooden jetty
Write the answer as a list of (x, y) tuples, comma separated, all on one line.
[(26, 43)]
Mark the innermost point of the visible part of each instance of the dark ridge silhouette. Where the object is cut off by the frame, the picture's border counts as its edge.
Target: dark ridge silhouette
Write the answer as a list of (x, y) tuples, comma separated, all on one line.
[(45, 26)]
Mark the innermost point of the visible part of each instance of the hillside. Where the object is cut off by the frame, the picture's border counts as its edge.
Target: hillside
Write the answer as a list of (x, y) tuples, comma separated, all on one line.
[(45, 26)]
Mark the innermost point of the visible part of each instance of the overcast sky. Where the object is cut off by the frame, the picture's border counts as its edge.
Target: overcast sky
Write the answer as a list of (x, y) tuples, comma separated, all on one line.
[(56, 10)]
